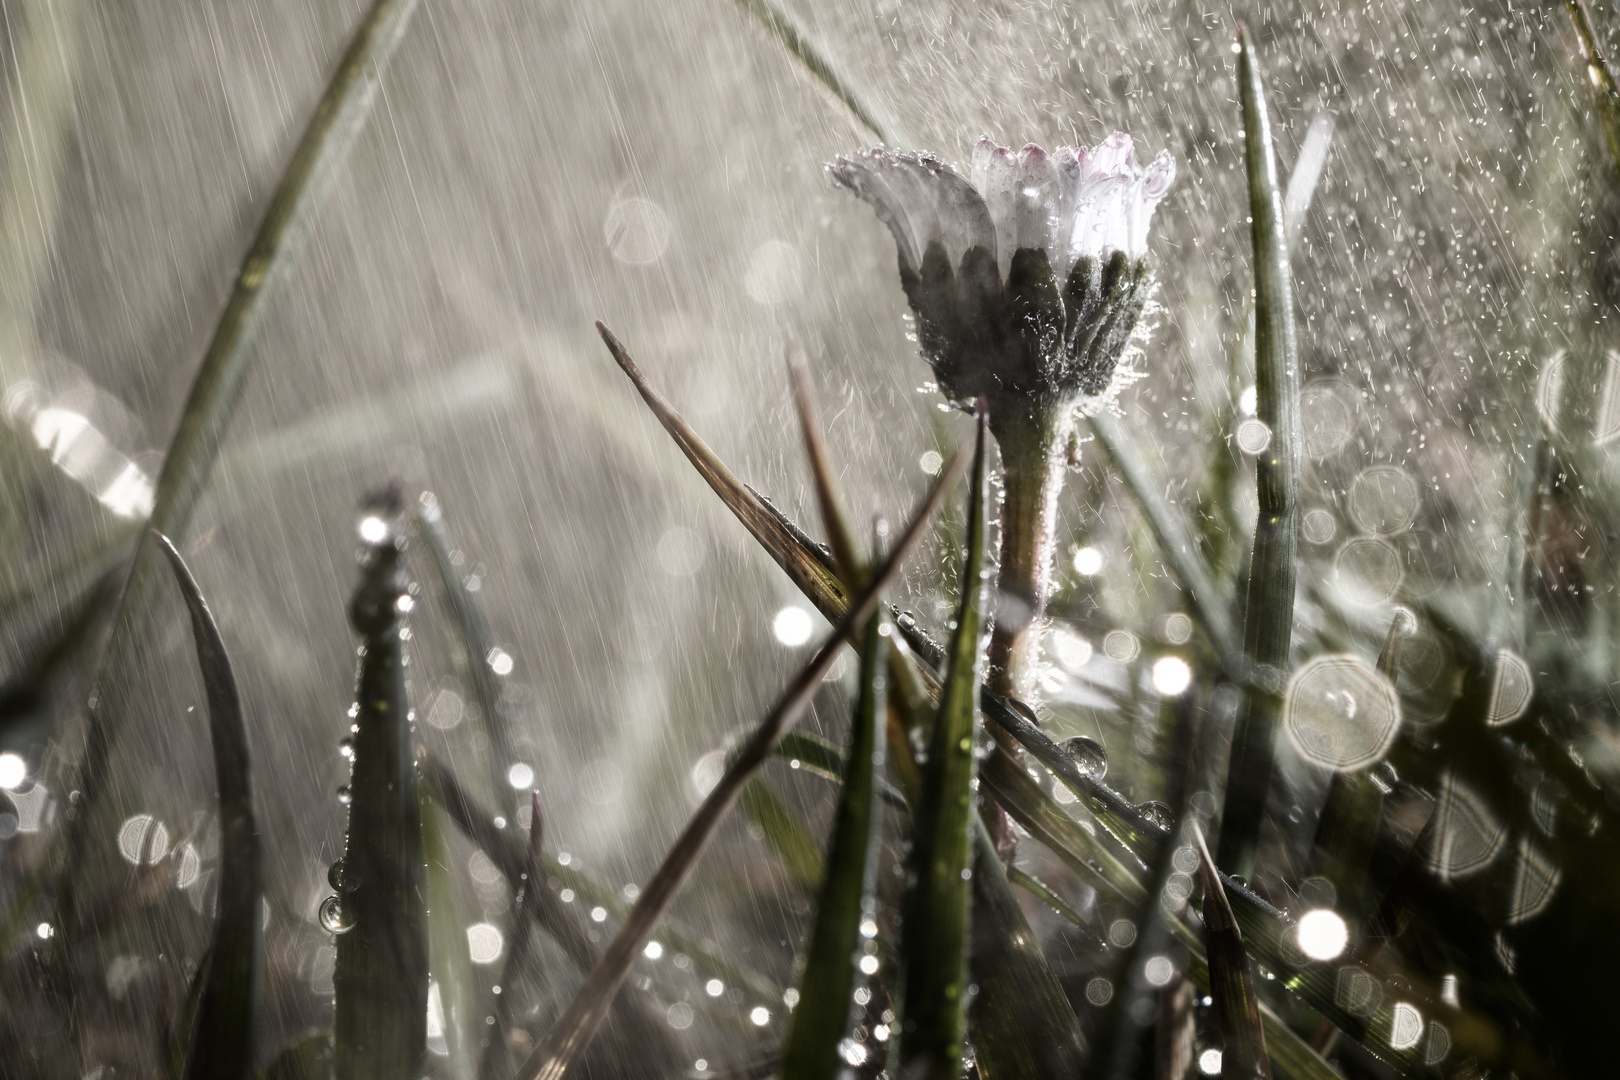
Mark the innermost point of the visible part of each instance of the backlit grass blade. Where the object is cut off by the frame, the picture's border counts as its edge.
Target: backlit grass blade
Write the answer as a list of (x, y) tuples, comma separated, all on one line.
[(935, 934), (832, 958), (473, 628), (217, 387), (224, 1033), (579, 1022), (846, 551), (1268, 609), (381, 980), (449, 964), (1231, 986), (826, 69), (1176, 543), (1602, 77), (784, 832)]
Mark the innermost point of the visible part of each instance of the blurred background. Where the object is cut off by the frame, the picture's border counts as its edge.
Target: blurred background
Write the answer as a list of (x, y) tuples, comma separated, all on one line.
[(532, 167)]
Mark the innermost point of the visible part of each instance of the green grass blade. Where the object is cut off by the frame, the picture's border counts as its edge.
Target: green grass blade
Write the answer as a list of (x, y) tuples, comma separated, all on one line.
[(381, 979), (1268, 611), (1231, 986), (224, 1035), (288, 221), (826, 69), (1176, 542), (573, 1031), (935, 934), (310, 1058), (449, 963), (784, 832), (831, 974), (1602, 76), (473, 628)]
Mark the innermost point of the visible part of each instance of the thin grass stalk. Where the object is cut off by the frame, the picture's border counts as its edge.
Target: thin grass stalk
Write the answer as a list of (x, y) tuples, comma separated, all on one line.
[(217, 387), (846, 901), (1602, 76), (841, 536), (1043, 892), (573, 1031), (497, 1061), (1176, 544), (379, 1019), (449, 964), (1231, 986), (224, 1034), (472, 626), (825, 69), (1268, 612), (935, 932)]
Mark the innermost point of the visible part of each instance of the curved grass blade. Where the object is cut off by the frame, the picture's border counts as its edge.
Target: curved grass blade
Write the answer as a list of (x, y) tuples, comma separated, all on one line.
[(831, 974), (473, 627), (1268, 610), (449, 964), (1237, 1010), (826, 69), (217, 387), (381, 980), (573, 1031), (223, 1034), (1176, 544), (935, 933), (1602, 75)]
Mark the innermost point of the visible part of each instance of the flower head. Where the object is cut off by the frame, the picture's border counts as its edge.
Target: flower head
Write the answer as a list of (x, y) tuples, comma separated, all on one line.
[(1027, 279)]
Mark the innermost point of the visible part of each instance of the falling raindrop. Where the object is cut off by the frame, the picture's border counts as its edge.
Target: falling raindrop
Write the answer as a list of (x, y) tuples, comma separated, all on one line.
[(1089, 756), (334, 918)]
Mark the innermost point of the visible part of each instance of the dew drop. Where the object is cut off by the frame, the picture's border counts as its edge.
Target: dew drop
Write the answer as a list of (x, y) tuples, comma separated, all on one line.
[(334, 920), (344, 794), (1158, 813), (346, 746), (1088, 756)]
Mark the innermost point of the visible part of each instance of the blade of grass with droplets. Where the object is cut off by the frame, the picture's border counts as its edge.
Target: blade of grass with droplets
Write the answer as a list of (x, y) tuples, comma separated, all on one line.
[(1176, 543), (223, 1034), (497, 1063), (831, 972), (1231, 986), (1602, 77), (1268, 609), (935, 932), (573, 1031), (380, 983), (217, 387), (449, 963), (560, 920), (473, 628), (826, 69)]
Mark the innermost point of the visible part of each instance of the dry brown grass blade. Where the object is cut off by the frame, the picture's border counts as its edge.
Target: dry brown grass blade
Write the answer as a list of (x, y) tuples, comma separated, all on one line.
[(809, 574), (846, 550)]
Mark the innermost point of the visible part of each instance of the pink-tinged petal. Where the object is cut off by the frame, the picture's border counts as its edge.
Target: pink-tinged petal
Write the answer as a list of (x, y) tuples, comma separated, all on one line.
[(1069, 162), (1111, 157), (1159, 176), (1036, 207), (1150, 190)]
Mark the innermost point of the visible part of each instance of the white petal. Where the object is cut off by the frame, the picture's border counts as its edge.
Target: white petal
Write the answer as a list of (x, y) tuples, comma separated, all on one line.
[(996, 174), (1150, 191), (1069, 162), (871, 177), (1111, 157), (964, 219), (1037, 200)]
